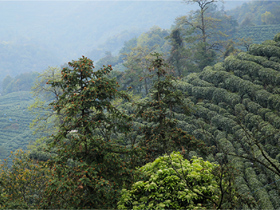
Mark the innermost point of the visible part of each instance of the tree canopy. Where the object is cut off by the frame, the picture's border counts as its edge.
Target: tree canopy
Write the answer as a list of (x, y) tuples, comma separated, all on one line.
[(172, 182)]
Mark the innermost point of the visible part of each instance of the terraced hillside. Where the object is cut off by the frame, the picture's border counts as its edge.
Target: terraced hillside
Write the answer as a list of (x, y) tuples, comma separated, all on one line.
[(258, 33), (14, 122), (237, 109)]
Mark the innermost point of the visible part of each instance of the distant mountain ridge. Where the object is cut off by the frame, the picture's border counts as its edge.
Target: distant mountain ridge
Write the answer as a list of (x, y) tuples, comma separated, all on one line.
[(54, 32)]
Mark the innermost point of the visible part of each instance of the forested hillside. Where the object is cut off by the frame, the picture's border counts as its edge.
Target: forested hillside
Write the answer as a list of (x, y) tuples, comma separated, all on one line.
[(256, 13), (39, 34), (179, 118), (228, 114)]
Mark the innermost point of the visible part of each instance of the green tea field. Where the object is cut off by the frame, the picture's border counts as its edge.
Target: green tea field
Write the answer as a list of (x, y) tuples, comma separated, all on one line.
[(14, 122)]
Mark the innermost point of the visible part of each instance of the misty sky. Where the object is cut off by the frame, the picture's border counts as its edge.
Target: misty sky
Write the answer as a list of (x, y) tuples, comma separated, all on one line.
[(48, 33)]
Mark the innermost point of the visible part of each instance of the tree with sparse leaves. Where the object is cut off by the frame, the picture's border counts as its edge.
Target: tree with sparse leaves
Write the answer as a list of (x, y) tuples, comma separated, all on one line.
[(137, 73), (205, 31), (46, 121)]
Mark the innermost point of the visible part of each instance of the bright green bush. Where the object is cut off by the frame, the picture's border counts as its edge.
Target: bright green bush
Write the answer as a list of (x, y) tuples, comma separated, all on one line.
[(174, 183)]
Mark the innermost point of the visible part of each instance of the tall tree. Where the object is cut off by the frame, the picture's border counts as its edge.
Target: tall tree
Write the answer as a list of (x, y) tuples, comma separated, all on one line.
[(204, 31), (43, 95), (161, 134), (201, 22), (89, 162), (178, 54)]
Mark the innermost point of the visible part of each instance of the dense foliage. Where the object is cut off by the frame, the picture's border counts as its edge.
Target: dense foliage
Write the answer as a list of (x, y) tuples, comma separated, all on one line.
[(161, 133), (172, 182), (89, 166), (237, 109), (134, 58), (101, 131), (234, 108), (22, 185)]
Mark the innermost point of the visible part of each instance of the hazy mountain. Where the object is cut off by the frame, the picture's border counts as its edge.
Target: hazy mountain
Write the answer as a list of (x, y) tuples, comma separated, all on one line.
[(36, 34)]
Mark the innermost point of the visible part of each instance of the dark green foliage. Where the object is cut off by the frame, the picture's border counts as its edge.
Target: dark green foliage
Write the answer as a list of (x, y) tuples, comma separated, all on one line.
[(137, 75), (161, 134), (23, 182), (178, 53), (90, 165), (204, 32), (265, 50)]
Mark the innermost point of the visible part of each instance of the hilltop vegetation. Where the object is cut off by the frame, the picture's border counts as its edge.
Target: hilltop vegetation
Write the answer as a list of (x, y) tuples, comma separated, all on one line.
[(257, 13), (36, 35), (22, 82)]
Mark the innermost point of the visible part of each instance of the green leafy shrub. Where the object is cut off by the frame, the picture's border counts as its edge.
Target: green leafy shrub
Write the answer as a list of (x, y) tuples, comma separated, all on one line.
[(174, 183), (22, 184)]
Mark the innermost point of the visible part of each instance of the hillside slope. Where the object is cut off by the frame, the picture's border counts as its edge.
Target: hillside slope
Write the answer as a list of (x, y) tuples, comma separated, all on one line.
[(237, 107), (14, 122), (258, 34)]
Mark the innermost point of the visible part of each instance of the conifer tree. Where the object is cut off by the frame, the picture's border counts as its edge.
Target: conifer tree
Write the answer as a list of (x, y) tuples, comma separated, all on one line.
[(161, 132), (89, 161), (178, 54)]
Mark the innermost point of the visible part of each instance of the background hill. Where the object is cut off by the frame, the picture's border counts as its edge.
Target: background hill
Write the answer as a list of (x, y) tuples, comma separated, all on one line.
[(257, 13), (38, 34), (259, 33), (14, 122)]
